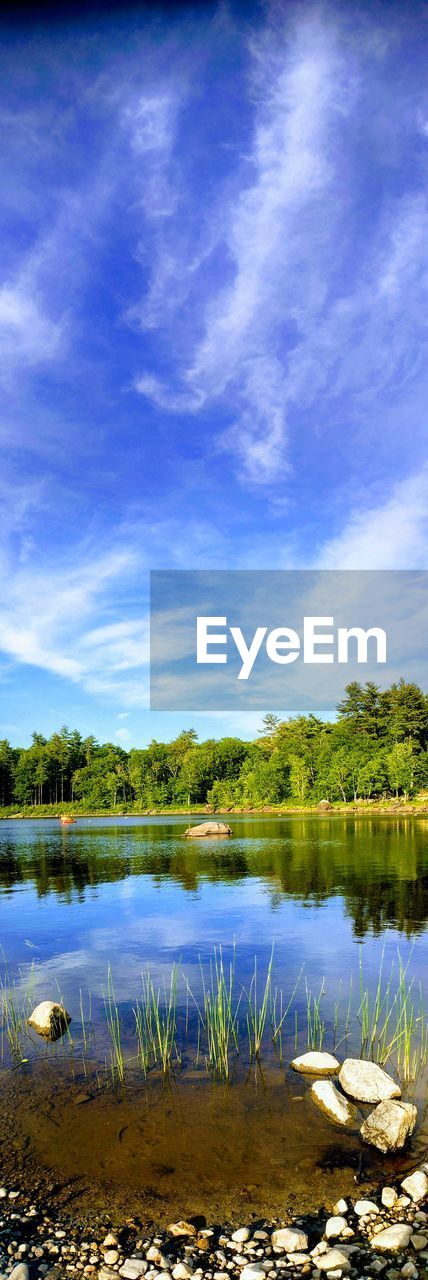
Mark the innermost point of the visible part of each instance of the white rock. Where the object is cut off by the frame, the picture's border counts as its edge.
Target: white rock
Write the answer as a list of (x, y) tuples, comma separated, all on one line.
[(110, 1257), (107, 1273), (388, 1197), (416, 1185), (298, 1259), (334, 1105), (20, 1272), (334, 1260), (241, 1235), (366, 1081), (132, 1269), (389, 1125), (340, 1207), (181, 1271), (316, 1064), (50, 1020), (290, 1239), (362, 1207), (419, 1242), (392, 1238), (253, 1272), (334, 1227), (110, 1241)]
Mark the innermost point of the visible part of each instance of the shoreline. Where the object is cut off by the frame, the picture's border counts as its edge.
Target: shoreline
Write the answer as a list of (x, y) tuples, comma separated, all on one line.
[(384, 1234), (390, 809)]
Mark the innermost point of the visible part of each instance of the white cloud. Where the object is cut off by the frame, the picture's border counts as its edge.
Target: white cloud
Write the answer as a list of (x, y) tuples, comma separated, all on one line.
[(391, 535)]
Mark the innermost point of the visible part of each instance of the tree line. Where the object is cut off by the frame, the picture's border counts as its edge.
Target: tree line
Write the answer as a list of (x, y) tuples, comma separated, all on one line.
[(377, 747)]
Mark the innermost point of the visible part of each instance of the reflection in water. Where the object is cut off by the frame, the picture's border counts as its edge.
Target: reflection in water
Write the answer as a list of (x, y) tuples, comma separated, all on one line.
[(132, 894), (378, 866)]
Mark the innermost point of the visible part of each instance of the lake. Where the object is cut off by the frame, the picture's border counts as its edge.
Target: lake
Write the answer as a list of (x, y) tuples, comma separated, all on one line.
[(300, 915)]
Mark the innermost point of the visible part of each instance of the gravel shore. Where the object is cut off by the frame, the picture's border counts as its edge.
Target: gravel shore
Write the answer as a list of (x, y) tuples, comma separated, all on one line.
[(386, 1236)]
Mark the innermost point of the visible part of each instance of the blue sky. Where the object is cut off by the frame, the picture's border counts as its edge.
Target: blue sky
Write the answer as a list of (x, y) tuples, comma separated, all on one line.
[(213, 315)]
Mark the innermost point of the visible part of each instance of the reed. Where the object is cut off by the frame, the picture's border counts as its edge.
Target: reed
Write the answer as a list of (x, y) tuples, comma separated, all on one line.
[(156, 1024), (117, 1061), (221, 1013), (258, 1009)]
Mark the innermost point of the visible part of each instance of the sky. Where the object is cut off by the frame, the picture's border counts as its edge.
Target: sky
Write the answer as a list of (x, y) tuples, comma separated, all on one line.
[(213, 325)]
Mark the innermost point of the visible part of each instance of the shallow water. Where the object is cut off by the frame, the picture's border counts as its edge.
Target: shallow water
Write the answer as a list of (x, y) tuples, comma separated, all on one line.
[(133, 894)]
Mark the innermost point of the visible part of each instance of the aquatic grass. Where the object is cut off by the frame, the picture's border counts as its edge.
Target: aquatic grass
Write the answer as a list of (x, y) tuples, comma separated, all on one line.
[(221, 1013), (17, 1000), (315, 1025), (156, 1023), (117, 1061), (258, 1009)]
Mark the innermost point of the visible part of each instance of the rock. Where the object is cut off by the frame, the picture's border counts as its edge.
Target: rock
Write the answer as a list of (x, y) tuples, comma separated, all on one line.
[(316, 1064), (416, 1185), (132, 1269), (366, 1082), (419, 1242), (334, 1227), (388, 1197), (50, 1020), (298, 1259), (182, 1228), (110, 1257), (392, 1238), (20, 1272), (107, 1273), (209, 829), (290, 1239), (334, 1105), (324, 806), (241, 1235), (333, 1260), (363, 1207), (340, 1207), (389, 1125), (409, 1271), (110, 1241), (253, 1272), (181, 1271)]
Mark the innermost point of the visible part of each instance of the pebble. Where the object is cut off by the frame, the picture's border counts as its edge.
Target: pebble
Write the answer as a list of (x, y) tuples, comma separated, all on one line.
[(290, 1240), (388, 1197), (363, 1207), (394, 1237), (334, 1227), (416, 1185)]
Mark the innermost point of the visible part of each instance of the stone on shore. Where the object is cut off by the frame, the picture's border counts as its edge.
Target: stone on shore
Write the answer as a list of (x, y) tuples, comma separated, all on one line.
[(20, 1272), (333, 1260), (416, 1185), (363, 1207), (392, 1238), (334, 1105), (209, 829), (366, 1081), (389, 1125), (290, 1239), (182, 1228), (132, 1269), (334, 1227), (316, 1064), (50, 1020)]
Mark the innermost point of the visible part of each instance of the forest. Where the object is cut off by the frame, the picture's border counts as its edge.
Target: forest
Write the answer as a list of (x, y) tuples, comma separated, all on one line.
[(377, 747)]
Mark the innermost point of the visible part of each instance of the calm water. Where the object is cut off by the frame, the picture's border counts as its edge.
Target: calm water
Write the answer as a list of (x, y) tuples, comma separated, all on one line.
[(133, 894)]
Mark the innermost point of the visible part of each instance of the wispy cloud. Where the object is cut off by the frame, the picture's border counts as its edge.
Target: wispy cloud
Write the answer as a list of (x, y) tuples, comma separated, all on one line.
[(393, 534)]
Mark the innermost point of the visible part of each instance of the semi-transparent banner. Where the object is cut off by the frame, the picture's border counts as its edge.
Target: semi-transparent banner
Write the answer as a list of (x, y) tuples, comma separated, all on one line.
[(282, 639)]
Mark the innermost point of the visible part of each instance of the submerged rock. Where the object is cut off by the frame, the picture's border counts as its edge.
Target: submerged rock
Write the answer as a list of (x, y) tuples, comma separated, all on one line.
[(366, 1081), (389, 1125), (395, 1237), (334, 1105), (209, 829), (316, 1064), (50, 1020)]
